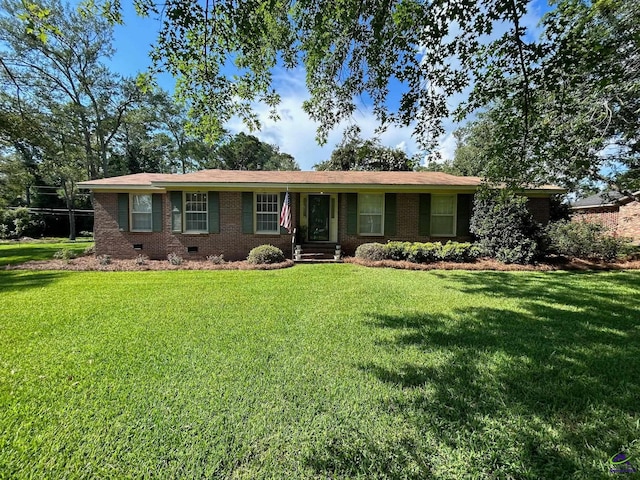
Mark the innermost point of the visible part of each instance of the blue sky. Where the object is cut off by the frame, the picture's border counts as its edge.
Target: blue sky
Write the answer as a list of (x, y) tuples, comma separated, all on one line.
[(294, 133)]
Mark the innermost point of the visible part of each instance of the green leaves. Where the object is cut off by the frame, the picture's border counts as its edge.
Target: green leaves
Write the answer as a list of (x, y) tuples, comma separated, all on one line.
[(37, 24), (354, 153)]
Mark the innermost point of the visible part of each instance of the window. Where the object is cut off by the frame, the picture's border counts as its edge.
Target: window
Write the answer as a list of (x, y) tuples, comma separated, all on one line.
[(443, 215), (370, 213), (141, 216), (195, 212), (267, 213)]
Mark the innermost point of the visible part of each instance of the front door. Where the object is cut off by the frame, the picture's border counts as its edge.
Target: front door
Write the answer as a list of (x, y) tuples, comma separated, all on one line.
[(319, 218)]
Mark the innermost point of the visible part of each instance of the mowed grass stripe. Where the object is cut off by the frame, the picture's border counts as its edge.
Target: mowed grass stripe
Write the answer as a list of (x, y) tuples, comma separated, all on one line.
[(317, 371), (14, 253)]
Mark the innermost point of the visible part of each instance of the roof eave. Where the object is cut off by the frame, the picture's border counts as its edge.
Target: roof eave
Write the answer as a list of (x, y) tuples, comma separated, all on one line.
[(584, 207), (113, 187), (337, 187)]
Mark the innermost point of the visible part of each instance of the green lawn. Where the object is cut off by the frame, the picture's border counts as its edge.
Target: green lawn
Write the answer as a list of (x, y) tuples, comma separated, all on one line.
[(318, 371), (13, 253)]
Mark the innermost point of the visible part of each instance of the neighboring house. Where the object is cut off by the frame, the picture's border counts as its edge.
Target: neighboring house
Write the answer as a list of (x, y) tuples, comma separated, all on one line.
[(618, 212), (214, 212)]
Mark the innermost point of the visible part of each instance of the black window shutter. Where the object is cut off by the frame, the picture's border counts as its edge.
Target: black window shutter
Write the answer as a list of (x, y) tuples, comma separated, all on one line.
[(123, 212), (463, 214), (156, 212), (352, 213), (176, 211), (390, 214), (424, 214), (247, 212), (213, 206)]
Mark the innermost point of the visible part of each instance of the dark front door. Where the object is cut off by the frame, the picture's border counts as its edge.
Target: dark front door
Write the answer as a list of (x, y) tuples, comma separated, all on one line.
[(318, 218)]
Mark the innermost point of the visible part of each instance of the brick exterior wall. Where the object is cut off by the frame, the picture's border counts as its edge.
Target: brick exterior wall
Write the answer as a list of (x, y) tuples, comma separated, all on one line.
[(234, 244), (629, 221), (407, 225), (111, 241), (607, 216), (230, 242), (624, 220)]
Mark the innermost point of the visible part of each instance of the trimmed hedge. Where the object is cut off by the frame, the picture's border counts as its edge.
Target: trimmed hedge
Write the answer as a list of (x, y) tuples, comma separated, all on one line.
[(419, 252), (371, 251), (265, 254)]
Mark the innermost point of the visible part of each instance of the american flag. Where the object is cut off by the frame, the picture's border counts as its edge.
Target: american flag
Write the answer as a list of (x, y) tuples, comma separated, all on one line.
[(285, 214)]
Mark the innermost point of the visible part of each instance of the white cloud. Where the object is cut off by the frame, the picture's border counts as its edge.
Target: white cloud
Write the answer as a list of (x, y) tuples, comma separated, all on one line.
[(447, 146), (295, 132)]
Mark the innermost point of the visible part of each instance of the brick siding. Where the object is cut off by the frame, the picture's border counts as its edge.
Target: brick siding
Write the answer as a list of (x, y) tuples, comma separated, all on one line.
[(623, 220), (408, 205), (230, 242), (234, 244)]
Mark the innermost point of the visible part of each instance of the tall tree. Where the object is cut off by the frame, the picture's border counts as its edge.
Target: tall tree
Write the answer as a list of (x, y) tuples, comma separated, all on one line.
[(354, 153), (53, 56), (246, 152), (583, 103)]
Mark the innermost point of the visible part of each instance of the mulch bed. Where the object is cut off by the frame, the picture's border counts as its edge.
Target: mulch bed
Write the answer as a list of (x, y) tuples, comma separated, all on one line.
[(91, 263), (489, 264)]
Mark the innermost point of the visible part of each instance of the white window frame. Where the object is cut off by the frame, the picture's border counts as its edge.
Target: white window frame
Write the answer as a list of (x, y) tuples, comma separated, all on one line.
[(454, 213), (186, 213), (276, 213), (361, 213), (133, 213)]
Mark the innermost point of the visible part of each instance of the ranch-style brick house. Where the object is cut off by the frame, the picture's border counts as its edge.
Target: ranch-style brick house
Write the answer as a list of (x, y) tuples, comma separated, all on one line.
[(213, 212)]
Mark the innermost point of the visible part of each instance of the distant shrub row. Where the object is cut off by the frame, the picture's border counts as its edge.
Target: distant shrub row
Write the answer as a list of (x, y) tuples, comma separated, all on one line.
[(585, 240), (15, 223), (419, 252)]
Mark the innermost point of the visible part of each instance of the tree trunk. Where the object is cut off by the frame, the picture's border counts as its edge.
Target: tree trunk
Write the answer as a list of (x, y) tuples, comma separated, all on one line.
[(68, 196), (72, 223)]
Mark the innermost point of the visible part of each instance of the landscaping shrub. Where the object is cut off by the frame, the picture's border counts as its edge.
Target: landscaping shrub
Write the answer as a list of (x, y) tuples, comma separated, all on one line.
[(585, 240), (216, 259), (64, 254), (505, 227), (265, 254), (419, 252), (90, 250), (141, 259), (104, 259), (15, 223), (174, 258), (424, 252), (459, 252), (371, 251), (397, 250)]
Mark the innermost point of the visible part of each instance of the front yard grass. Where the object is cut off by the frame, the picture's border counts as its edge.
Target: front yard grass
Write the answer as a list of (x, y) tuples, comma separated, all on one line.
[(13, 252), (319, 371)]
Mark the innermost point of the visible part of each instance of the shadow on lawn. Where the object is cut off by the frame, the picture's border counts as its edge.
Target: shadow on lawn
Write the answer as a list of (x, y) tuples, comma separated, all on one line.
[(547, 390), (18, 254), (23, 279)]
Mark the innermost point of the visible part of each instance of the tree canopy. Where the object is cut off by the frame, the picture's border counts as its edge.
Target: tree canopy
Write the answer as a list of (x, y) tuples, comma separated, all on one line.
[(247, 152), (355, 153), (556, 100)]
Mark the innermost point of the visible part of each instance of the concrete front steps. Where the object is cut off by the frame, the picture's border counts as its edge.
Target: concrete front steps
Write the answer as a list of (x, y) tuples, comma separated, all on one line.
[(317, 253)]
